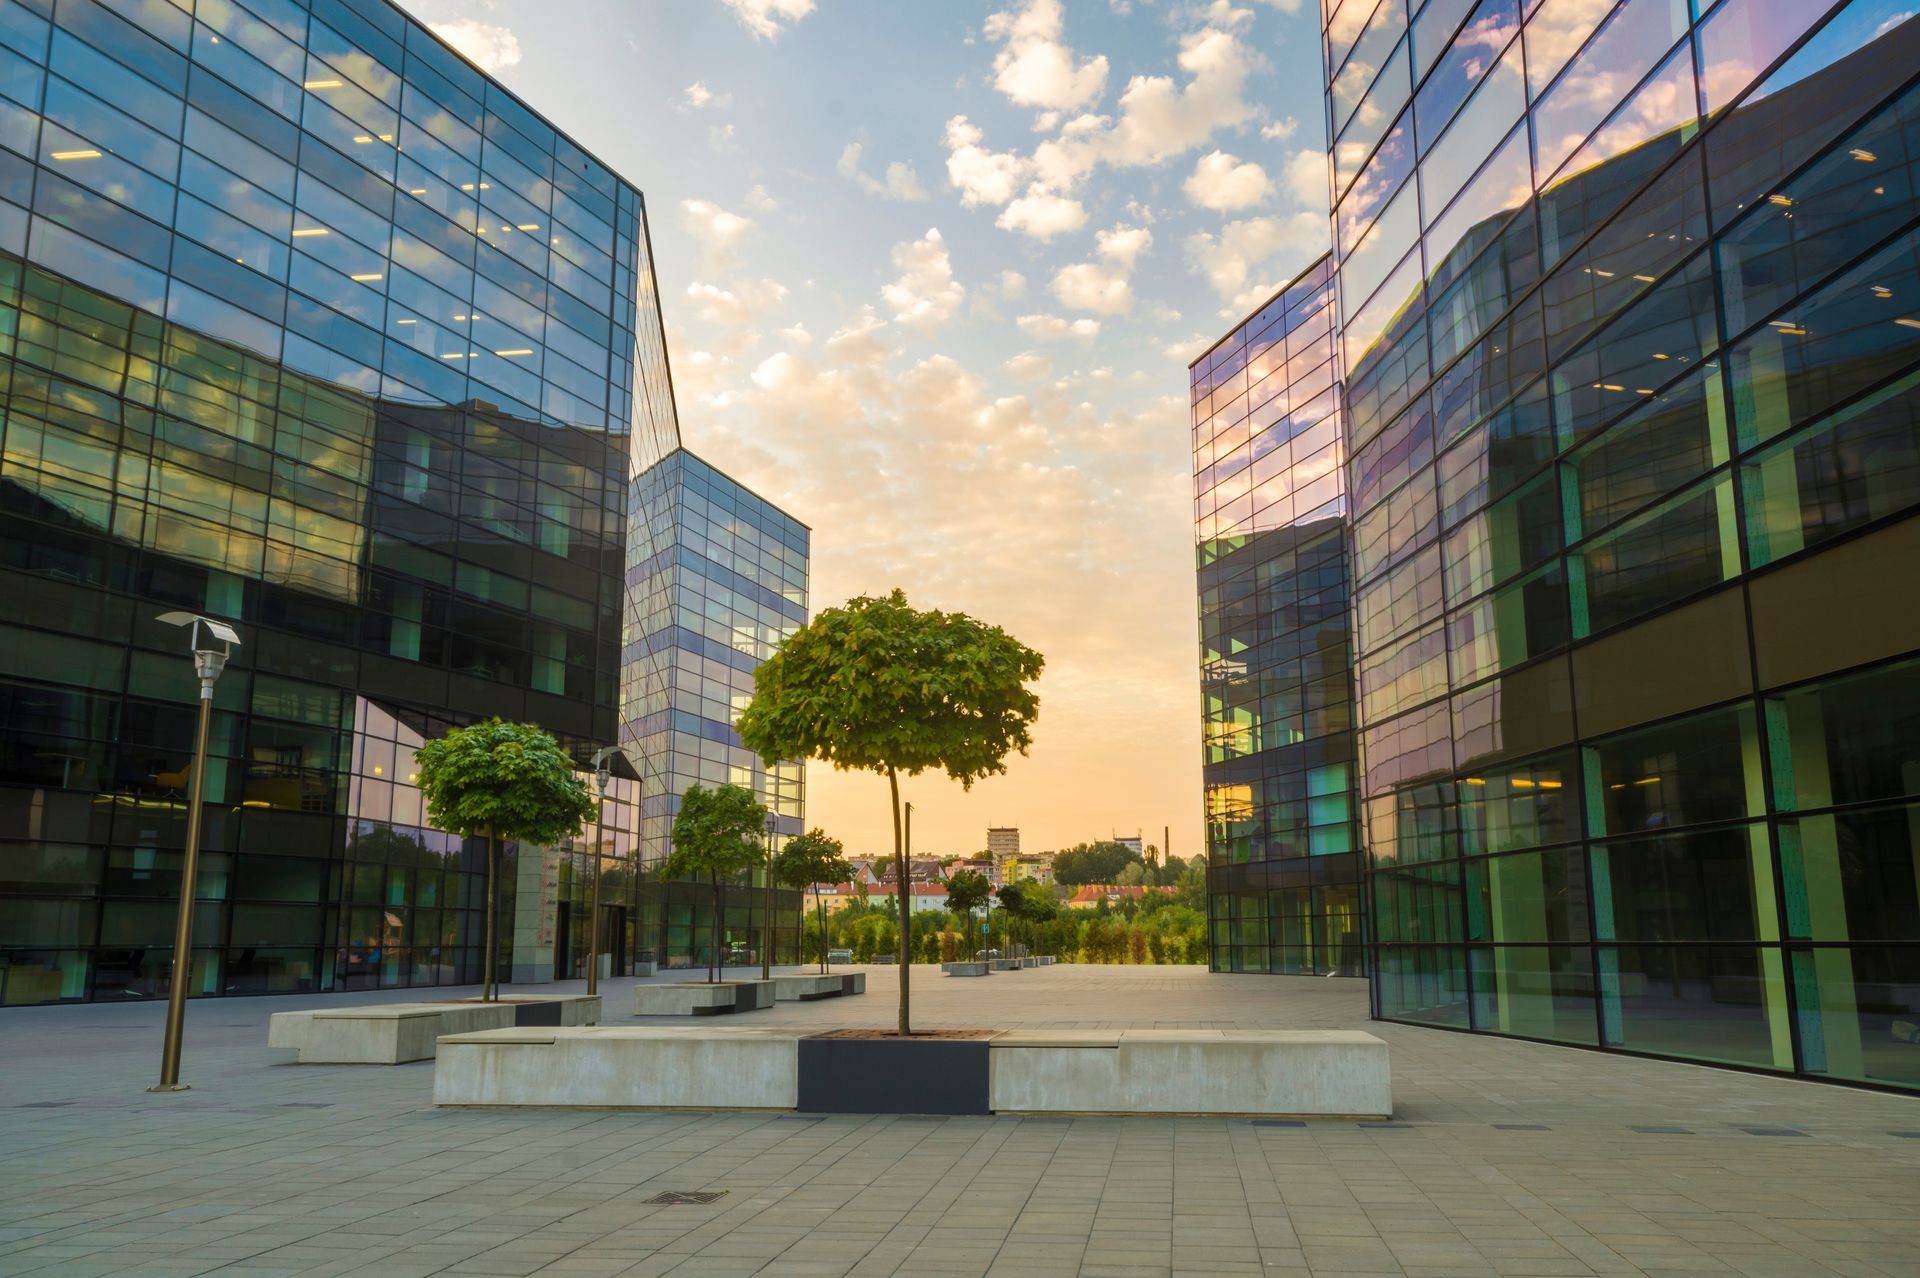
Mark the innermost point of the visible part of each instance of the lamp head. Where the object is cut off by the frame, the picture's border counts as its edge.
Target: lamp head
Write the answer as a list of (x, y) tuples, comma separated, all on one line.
[(211, 643)]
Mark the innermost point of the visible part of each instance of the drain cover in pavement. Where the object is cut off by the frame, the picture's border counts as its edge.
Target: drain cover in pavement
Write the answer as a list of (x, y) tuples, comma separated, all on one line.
[(675, 1198)]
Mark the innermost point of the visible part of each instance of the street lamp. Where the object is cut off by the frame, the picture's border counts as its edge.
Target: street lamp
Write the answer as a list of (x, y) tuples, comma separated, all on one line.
[(766, 944), (211, 643), (602, 774)]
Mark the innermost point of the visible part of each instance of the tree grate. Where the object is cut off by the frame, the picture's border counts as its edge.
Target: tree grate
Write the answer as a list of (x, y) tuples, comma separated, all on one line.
[(676, 1198)]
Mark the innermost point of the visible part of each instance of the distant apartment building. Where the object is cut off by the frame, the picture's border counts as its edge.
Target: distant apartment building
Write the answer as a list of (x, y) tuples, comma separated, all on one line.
[(1134, 843), (978, 865), (1003, 840), (1093, 895), (1028, 867)]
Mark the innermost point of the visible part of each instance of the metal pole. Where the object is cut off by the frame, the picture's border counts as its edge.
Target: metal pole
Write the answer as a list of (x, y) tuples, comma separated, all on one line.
[(766, 923), (183, 921), (593, 910)]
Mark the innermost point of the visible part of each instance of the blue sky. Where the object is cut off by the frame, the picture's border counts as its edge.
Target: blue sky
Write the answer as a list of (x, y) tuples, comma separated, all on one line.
[(931, 272)]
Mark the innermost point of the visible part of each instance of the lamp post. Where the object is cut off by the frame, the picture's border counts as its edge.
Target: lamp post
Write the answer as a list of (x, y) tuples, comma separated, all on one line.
[(211, 643), (766, 943), (602, 774)]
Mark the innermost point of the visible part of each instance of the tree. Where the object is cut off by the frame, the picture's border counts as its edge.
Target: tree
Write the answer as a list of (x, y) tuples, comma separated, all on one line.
[(967, 891), (503, 781), (1092, 863), (717, 833), (878, 686), (1132, 874), (807, 861)]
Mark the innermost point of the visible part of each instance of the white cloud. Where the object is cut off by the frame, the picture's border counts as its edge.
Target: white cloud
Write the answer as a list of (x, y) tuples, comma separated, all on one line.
[(764, 17), (1124, 244), (901, 182), (1248, 259), (1030, 366), (1226, 184), (1042, 214), (698, 95), (759, 200), (491, 48), (796, 335), (1280, 130), (743, 302), (1156, 119), (1011, 284), (1033, 68), (1104, 288), (926, 294), (1089, 286), (1306, 178), (718, 231), (982, 176), (1053, 328)]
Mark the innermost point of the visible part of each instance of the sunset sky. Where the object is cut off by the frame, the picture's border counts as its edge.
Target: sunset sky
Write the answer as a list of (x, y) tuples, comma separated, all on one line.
[(932, 271)]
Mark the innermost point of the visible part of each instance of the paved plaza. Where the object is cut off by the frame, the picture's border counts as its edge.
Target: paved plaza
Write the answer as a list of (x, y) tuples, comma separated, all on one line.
[(1504, 1157)]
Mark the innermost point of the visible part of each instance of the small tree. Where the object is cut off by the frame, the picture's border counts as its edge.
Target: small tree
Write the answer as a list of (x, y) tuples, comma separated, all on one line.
[(879, 686), (807, 861), (717, 833), (967, 891), (502, 781)]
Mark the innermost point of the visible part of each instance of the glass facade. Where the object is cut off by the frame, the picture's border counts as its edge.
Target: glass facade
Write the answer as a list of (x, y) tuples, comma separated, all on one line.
[(1628, 330), (716, 579), (1276, 671), (306, 324)]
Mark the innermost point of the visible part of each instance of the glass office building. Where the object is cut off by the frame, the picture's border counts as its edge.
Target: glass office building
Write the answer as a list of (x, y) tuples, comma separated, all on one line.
[(716, 580), (306, 324), (1284, 866), (1630, 330)]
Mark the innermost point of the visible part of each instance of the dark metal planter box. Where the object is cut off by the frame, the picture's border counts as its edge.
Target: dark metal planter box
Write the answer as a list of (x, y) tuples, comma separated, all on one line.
[(893, 1075)]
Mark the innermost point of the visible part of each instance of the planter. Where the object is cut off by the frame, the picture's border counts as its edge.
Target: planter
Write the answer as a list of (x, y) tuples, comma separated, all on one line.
[(964, 969), (877, 1072), (1319, 1073), (1045, 960), (702, 998), (623, 1067), (382, 1034), (806, 987), (1005, 964)]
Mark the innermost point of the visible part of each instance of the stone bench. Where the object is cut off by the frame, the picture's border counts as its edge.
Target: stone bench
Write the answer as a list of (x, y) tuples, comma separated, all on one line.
[(702, 998), (964, 969), (1325, 1073), (805, 987), (1029, 962), (622, 1067), (1005, 964), (381, 1034), (1045, 960)]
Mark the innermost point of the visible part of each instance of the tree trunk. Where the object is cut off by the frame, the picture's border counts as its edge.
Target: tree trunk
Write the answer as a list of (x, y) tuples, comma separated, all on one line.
[(900, 895), (493, 908), (713, 947)]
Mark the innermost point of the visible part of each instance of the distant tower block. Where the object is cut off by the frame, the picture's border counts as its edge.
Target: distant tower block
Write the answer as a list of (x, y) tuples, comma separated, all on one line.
[(1003, 840)]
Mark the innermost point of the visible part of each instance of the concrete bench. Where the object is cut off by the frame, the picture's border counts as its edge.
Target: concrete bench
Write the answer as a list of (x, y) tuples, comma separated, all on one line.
[(964, 969), (1045, 960), (702, 998), (624, 1066), (1029, 962), (381, 1034), (805, 987), (1005, 964), (1326, 1073)]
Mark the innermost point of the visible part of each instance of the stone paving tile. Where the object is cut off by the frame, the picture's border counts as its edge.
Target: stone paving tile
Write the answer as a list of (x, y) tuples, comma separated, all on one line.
[(270, 1170)]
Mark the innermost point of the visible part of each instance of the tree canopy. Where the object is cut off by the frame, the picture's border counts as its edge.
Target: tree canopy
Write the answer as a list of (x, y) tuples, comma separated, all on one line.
[(968, 891), (1092, 863), (877, 685), (509, 779), (813, 857), (718, 833)]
